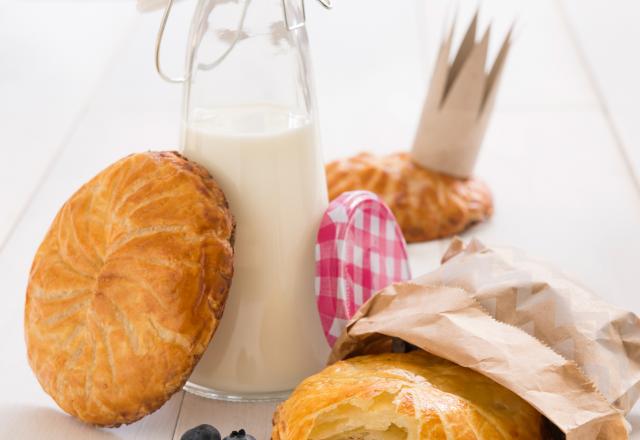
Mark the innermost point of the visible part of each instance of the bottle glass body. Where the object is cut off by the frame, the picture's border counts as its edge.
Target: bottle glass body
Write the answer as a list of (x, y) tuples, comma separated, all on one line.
[(249, 118)]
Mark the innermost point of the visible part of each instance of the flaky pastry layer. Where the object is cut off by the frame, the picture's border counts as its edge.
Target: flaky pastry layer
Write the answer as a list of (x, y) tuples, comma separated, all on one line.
[(403, 396)]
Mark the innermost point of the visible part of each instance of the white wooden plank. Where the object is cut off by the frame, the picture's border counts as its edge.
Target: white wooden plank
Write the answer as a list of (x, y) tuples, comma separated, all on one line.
[(32, 421), (634, 420), (562, 193), (52, 55), (608, 39), (132, 110), (425, 257), (369, 60), (373, 61)]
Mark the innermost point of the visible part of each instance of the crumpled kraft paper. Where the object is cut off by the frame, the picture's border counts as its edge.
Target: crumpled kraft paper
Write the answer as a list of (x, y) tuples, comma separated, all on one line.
[(459, 103), (528, 327)]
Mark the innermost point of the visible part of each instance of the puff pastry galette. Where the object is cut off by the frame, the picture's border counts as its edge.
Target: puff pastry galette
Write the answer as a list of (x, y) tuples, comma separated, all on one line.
[(128, 286), (403, 396), (427, 204)]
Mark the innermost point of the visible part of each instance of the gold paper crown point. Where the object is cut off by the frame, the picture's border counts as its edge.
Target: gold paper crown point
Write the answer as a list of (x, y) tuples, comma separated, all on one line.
[(459, 102)]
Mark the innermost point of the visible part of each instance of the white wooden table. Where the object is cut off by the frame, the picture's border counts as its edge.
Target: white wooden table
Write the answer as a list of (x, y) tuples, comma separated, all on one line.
[(78, 90)]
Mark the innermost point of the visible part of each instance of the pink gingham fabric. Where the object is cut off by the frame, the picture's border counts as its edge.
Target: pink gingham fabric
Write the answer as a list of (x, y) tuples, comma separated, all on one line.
[(359, 250)]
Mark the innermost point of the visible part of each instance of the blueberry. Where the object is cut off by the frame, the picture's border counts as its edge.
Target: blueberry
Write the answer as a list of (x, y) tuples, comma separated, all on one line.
[(201, 432), (239, 435)]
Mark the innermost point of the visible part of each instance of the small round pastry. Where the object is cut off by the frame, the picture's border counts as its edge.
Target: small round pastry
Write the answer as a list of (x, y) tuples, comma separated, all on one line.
[(128, 287), (403, 396), (427, 204)]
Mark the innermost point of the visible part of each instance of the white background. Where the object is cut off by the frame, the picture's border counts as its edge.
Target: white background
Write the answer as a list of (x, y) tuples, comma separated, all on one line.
[(562, 155)]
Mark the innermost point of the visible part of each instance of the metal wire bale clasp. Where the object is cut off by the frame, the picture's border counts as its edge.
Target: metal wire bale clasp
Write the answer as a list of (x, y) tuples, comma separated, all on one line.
[(327, 4)]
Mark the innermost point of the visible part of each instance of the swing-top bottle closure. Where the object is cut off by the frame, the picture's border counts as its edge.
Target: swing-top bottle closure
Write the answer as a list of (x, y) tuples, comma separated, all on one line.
[(327, 4)]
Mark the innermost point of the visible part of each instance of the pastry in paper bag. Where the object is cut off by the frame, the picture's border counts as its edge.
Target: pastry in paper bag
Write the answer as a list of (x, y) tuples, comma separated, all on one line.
[(570, 355)]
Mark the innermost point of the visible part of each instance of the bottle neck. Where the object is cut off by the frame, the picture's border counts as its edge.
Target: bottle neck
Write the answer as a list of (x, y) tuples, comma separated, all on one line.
[(248, 18), (242, 56)]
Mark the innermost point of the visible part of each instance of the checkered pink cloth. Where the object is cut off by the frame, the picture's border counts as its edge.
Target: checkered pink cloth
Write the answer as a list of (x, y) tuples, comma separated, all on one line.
[(359, 250)]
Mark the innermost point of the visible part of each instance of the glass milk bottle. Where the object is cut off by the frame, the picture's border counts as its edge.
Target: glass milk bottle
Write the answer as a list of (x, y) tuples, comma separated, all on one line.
[(249, 118)]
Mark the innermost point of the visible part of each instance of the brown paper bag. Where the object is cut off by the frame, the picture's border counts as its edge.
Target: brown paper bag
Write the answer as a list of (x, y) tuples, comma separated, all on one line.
[(527, 347)]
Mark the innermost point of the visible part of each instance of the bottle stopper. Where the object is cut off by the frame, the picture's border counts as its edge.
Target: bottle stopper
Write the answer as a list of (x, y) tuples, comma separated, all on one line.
[(360, 250)]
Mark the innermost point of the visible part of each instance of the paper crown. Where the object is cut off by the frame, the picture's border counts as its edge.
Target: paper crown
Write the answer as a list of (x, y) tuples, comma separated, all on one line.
[(458, 104)]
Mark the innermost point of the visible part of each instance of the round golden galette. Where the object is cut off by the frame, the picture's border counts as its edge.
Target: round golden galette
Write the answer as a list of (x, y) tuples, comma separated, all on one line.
[(128, 286), (427, 204), (403, 396)]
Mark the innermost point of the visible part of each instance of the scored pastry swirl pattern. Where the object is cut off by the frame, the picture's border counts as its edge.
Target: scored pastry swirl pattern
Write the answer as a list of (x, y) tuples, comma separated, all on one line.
[(128, 286), (427, 204)]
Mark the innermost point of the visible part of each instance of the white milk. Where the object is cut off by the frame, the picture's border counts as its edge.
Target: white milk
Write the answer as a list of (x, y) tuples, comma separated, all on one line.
[(270, 167)]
